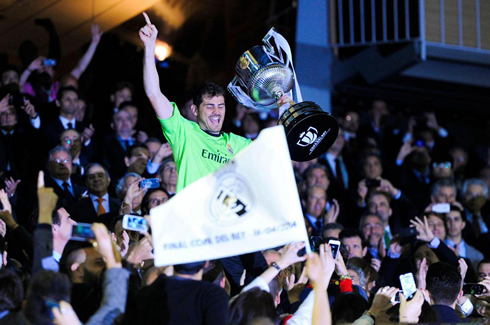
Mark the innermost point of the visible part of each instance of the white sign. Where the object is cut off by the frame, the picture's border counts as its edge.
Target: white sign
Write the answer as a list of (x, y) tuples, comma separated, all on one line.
[(250, 204)]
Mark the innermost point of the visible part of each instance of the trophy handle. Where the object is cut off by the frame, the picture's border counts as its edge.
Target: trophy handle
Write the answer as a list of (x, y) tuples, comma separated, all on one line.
[(268, 46), (237, 92), (282, 44)]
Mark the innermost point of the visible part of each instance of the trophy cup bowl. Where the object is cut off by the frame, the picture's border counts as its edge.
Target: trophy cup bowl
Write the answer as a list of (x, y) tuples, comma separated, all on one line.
[(261, 80)]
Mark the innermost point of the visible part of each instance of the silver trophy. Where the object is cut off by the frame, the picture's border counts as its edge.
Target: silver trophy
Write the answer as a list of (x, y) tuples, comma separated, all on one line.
[(264, 75)]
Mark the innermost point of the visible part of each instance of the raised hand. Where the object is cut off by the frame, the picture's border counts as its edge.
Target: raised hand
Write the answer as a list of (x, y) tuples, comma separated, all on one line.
[(423, 229), (11, 186), (295, 288), (333, 213), (148, 33), (96, 33), (87, 133), (106, 246), (4, 103), (29, 109)]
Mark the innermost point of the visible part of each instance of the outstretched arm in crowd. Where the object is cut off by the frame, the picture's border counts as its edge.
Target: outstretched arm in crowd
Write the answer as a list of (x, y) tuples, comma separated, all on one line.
[(160, 103), (43, 236), (89, 54)]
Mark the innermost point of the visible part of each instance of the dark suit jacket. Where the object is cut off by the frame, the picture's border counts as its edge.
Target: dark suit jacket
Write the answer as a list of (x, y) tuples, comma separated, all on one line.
[(113, 155), (84, 211), (447, 315), (63, 198), (19, 155), (53, 130)]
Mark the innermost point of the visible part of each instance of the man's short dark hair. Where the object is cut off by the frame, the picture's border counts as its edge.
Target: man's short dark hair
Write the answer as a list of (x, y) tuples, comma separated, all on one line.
[(11, 291), (352, 232), (45, 284), (443, 283), (252, 304), (210, 90), (120, 85), (382, 193), (135, 146), (128, 103), (60, 93), (189, 268), (89, 166), (10, 68), (483, 261), (332, 226)]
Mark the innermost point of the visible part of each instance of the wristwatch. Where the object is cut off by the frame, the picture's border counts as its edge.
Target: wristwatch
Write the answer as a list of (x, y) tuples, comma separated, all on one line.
[(345, 276), (370, 314), (274, 265)]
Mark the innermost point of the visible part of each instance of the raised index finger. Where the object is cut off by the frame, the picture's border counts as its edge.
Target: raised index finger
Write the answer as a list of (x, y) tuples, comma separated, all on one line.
[(148, 22), (40, 179)]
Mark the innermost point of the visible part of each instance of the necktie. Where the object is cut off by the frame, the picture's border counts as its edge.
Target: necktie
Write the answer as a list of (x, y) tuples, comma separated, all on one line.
[(100, 207), (387, 239), (66, 189), (476, 225), (318, 225), (338, 171), (70, 125)]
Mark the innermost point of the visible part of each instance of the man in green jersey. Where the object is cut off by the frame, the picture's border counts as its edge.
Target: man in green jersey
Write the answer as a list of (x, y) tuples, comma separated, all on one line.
[(201, 148)]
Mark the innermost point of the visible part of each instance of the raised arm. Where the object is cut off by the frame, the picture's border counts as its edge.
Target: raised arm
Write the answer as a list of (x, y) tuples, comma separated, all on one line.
[(160, 103), (89, 54)]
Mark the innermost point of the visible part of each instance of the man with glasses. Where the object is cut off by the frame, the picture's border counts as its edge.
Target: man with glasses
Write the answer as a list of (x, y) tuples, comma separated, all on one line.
[(59, 176), (72, 140), (98, 206)]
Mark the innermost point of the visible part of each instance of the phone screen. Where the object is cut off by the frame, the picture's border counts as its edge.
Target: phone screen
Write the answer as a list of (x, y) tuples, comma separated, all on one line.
[(335, 246), (408, 285), (82, 232)]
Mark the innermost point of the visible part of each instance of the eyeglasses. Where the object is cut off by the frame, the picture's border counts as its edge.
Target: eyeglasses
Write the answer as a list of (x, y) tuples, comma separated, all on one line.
[(445, 165), (70, 141), (62, 161)]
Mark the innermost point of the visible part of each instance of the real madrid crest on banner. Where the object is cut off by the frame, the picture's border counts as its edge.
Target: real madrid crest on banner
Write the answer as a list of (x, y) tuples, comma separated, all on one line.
[(232, 198)]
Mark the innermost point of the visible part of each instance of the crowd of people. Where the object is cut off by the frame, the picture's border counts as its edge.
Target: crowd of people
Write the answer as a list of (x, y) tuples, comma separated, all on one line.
[(400, 197)]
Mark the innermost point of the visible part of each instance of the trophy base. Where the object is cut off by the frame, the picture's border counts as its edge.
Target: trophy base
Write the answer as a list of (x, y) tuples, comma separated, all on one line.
[(310, 131)]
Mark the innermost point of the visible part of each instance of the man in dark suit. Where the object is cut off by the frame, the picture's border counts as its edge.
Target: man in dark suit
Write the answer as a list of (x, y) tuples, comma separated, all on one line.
[(116, 145), (67, 101), (315, 203), (98, 206), (444, 284), (59, 167), (338, 171), (14, 147)]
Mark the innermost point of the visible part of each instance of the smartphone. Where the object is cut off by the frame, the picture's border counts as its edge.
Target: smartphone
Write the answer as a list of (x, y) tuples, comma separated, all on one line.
[(150, 183), (420, 143), (315, 242), (408, 285), (372, 183), (335, 245), (441, 208), (407, 235), (50, 304), (396, 297), (408, 232), (473, 289), (49, 62), (82, 232), (134, 223)]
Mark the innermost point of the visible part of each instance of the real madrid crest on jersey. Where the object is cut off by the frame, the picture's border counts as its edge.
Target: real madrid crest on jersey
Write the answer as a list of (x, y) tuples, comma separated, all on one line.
[(230, 149), (232, 198)]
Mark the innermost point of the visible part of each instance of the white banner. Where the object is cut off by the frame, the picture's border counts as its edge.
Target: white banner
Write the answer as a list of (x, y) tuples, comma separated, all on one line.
[(250, 204)]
